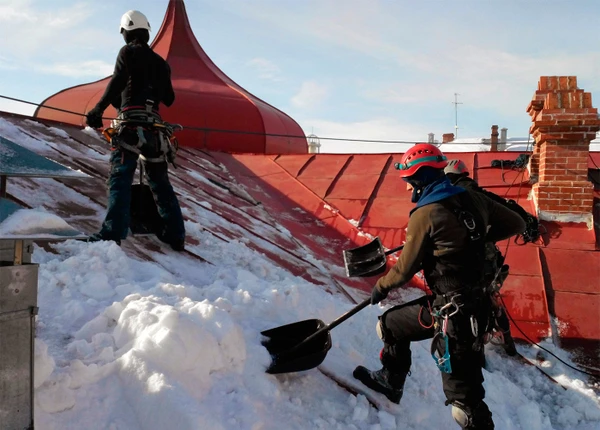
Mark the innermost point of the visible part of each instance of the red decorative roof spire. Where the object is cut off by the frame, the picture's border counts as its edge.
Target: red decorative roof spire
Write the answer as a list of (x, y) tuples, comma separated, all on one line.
[(205, 98)]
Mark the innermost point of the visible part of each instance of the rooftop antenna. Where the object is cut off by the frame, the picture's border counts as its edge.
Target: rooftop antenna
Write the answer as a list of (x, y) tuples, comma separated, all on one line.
[(456, 103)]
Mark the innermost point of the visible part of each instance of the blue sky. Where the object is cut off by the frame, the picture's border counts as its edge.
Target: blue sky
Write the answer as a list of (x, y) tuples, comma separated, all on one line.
[(365, 69)]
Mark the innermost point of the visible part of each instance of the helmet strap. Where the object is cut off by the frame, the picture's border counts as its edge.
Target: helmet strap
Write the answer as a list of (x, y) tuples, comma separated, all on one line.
[(417, 188), (416, 194)]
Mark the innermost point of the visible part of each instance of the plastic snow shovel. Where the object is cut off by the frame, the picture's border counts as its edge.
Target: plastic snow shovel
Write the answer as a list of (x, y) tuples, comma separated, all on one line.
[(144, 216), (302, 345), (367, 260)]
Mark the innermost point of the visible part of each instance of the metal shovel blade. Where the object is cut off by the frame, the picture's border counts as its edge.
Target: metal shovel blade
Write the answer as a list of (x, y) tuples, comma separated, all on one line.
[(289, 353), (367, 260), (302, 345), (145, 218)]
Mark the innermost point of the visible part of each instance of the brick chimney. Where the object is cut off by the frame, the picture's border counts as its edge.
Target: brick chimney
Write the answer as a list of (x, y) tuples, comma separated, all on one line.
[(564, 123), (447, 137), (494, 138)]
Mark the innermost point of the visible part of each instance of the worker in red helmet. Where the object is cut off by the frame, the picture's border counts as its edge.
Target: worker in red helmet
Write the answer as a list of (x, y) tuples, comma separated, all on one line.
[(445, 237), (495, 269)]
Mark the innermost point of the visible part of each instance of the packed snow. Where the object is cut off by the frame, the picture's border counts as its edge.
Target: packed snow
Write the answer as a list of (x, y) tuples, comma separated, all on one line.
[(35, 223), (127, 344)]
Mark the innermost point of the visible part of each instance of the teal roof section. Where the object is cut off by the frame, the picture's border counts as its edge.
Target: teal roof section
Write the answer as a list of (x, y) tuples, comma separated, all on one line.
[(18, 161), (7, 208)]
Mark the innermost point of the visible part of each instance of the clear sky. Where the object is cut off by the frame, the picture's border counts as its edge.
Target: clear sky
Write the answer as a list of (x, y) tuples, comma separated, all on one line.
[(366, 69)]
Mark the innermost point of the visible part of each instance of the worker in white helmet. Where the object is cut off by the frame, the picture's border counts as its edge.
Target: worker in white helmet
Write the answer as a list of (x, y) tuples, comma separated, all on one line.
[(140, 83)]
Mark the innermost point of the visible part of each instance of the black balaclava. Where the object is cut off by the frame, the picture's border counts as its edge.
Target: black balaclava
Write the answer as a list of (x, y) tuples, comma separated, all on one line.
[(139, 35), (423, 177)]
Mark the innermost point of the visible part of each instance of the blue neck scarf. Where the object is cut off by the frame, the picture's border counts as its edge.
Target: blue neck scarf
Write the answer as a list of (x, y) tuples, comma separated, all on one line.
[(438, 190)]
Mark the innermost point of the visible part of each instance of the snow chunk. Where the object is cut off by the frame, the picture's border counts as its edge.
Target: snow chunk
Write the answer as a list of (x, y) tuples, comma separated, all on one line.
[(44, 364), (32, 221)]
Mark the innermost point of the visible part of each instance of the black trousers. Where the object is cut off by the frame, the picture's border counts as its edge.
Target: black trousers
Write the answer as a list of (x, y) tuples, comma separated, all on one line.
[(123, 165), (412, 322)]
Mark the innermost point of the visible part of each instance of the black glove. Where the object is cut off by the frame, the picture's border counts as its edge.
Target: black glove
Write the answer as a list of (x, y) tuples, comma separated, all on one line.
[(94, 118), (377, 296)]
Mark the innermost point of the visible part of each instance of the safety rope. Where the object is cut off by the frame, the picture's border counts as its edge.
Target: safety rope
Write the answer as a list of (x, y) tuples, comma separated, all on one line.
[(532, 342)]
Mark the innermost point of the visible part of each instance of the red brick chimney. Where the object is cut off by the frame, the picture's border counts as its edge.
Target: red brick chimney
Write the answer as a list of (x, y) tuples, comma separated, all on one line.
[(494, 138), (447, 137), (564, 123)]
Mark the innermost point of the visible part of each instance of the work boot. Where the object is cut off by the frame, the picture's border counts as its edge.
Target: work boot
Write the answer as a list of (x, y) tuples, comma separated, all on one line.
[(176, 244), (97, 237), (383, 381), (509, 344)]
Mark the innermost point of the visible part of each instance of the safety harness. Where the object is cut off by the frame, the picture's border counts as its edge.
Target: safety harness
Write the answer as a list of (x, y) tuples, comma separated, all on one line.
[(142, 119), (449, 303)]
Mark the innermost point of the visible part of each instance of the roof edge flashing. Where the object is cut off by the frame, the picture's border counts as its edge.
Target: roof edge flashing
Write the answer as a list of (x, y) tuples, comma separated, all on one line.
[(576, 218)]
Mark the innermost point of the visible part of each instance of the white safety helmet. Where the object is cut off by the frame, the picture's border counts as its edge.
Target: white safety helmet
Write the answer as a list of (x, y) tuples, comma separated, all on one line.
[(457, 167), (132, 20)]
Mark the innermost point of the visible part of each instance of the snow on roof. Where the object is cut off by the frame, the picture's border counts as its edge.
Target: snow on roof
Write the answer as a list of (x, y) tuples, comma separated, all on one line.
[(128, 344), (175, 343), (36, 223), (465, 145)]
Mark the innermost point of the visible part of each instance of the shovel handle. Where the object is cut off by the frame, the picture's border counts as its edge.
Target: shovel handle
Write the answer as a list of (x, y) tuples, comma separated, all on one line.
[(347, 315), (391, 251), (333, 324), (336, 322)]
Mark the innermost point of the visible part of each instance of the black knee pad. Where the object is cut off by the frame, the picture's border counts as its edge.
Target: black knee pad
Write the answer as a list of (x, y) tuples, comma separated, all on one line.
[(469, 418)]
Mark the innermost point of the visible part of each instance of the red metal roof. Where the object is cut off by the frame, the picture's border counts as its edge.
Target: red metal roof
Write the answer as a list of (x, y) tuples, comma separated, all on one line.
[(332, 202), (366, 190), (205, 98)]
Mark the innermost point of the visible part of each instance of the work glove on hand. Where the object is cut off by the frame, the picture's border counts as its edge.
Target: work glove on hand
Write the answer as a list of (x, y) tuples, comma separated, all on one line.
[(377, 295), (94, 118)]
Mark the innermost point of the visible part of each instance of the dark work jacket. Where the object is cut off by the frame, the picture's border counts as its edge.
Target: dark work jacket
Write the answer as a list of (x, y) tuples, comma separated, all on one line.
[(436, 240), (470, 184), (140, 74)]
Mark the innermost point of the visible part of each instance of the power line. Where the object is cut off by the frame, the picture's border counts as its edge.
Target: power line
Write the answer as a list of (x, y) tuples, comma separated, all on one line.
[(258, 133)]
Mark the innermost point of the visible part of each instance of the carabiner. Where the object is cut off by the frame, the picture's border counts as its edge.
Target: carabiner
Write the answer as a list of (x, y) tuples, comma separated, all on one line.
[(443, 362)]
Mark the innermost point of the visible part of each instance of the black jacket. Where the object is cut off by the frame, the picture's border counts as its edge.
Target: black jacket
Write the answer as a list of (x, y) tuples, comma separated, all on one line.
[(470, 184), (140, 74), (436, 239)]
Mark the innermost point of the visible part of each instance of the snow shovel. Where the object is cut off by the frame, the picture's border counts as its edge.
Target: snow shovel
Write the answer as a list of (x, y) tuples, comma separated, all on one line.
[(367, 260), (302, 345), (144, 216)]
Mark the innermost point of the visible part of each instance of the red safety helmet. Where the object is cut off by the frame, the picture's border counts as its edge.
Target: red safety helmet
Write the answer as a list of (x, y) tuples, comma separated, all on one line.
[(420, 155)]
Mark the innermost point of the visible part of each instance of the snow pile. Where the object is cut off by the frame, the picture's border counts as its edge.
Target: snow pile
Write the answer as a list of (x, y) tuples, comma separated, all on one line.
[(35, 222), (126, 344)]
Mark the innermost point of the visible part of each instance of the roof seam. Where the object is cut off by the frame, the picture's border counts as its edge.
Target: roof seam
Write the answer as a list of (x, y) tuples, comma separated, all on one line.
[(369, 204), (338, 176)]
